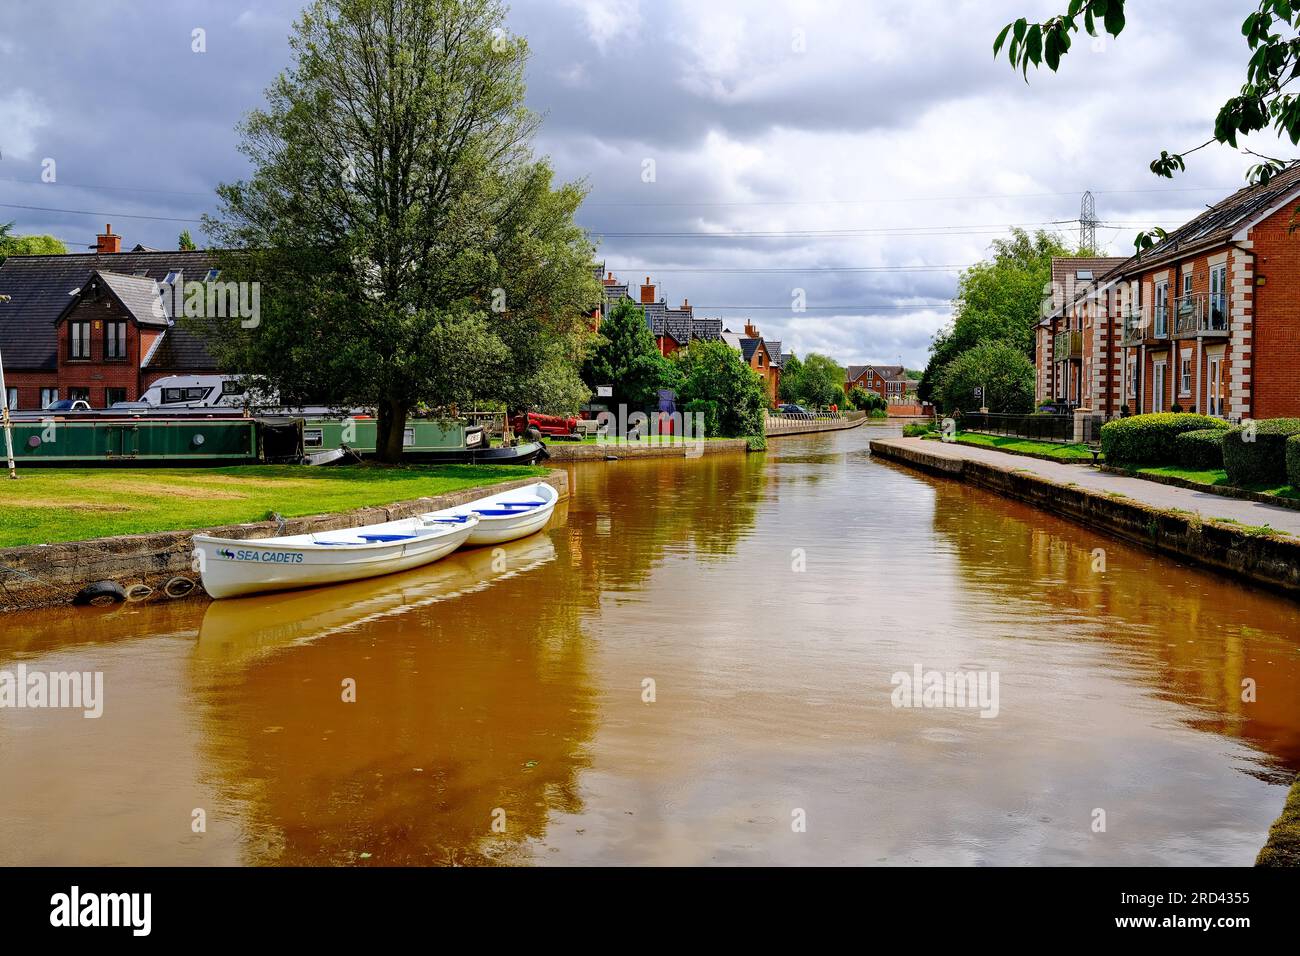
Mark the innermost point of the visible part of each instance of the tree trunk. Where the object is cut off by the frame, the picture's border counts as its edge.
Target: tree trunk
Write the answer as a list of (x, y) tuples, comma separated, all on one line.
[(390, 427)]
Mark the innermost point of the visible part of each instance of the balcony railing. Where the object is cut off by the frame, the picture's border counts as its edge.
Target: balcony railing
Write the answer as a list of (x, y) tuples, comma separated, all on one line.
[(1201, 314), (1067, 345), (1139, 327)]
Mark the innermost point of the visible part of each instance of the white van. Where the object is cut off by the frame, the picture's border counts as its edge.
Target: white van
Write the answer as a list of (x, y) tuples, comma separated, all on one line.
[(202, 391)]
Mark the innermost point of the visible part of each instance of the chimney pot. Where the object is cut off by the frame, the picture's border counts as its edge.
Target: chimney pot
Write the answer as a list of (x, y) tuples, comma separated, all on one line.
[(106, 242)]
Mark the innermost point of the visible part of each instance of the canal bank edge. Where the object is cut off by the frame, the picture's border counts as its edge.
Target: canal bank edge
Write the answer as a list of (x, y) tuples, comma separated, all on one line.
[(1268, 560), (616, 451), (1283, 846), (45, 575)]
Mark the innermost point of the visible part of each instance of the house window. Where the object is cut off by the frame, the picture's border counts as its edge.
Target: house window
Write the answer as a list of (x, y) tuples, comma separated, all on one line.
[(49, 396), (78, 340), (760, 360), (1132, 378), (1185, 377), (1187, 283), (114, 340), (11, 399), (79, 394), (1162, 310), (114, 395), (1218, 310)]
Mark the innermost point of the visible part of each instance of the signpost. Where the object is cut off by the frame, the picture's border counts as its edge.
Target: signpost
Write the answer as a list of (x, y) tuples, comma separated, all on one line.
[(4, 411)]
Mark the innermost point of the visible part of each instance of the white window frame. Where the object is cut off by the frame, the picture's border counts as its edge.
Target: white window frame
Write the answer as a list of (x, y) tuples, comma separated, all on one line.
[(1160, 378), (1185, 376)]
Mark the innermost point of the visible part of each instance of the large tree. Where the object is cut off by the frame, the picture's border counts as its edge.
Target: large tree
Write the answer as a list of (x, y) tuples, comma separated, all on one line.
[(1272, 35), (411, 249), (1002, 373), (998, 300), (715, 372), (817, 381), (626, 358)]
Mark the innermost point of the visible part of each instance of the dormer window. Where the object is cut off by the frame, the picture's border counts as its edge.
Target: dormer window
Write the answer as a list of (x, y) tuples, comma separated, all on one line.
[(172, 277), (78, 340), (212, 275)]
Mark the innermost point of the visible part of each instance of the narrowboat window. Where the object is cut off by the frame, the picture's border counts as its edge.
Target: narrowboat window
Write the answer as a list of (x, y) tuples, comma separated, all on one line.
[(313, 437), (408, 437)]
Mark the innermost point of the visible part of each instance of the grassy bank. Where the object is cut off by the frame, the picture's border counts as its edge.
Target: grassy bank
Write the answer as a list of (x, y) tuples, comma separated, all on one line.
[(1215, 478), (1283, 847), (57, 504), (1024, 446)]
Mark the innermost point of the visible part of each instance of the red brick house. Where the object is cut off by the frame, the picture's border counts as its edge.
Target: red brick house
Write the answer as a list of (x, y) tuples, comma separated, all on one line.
[(91, 326), (890, 382), (1208, 320), (762, 356)]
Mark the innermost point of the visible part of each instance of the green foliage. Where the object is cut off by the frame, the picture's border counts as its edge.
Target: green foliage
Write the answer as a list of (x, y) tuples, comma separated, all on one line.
[(756, 442), (626, 357), (715, 372), (866, 401), (918, 429), (1001, 369), (185, 242), (702, 406), (816, 382), (878, 413), (1200, 450), (1272, 34), (1293, 461), (1150, 439), (998, 300), (11, 245), (1255, 453), (411, 248)]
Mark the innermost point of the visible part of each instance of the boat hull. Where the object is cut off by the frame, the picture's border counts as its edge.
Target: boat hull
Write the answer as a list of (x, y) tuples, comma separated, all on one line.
[(234, 568), (500, 528)]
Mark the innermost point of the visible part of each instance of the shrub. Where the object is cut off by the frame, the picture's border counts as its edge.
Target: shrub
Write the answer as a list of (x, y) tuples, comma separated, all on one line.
[(1293, 461), (1200, 450), (710, 412), (756, 442), (878, 413), (917, 429), (1255, 454), (1149, 439)]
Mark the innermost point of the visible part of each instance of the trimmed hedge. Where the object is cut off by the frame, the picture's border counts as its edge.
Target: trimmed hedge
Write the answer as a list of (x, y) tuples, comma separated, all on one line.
[(1201, 450), (1261, 461), (1293, 461), (1149, 439)]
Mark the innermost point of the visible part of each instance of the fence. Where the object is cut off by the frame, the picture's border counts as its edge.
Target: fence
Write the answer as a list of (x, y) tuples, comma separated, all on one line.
[(1049, 428)]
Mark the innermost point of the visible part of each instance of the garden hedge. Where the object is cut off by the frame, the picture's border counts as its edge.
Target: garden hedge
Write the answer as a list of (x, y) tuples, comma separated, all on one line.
[(1255, 454), (1149, 439), (1201, 450), (1293, 461)]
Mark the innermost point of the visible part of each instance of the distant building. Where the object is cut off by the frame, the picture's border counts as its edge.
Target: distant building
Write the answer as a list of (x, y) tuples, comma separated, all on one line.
[(890, 382)]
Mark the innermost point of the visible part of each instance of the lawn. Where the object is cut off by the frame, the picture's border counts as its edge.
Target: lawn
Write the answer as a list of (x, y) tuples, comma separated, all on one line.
[(1216, 477), (1054, 450), (65, 504)]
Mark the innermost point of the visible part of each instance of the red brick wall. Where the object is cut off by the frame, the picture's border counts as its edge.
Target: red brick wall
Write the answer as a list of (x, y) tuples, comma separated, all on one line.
[(1275, 342), (97, 374)]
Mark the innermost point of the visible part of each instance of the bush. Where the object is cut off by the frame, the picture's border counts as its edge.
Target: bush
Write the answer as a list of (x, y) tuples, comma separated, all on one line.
[(1200, 450), (1293, 461), (1001, 371), (1255, 454), (710, 412), (756, 442), (1149, 439), (917, 430), (878, 413)]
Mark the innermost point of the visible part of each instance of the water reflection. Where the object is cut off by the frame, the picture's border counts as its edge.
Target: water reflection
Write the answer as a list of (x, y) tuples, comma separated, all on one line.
[(769, 598)]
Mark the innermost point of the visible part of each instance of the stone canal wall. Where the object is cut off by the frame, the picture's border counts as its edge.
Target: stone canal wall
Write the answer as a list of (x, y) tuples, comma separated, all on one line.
[(50, 574), (1266, 559)]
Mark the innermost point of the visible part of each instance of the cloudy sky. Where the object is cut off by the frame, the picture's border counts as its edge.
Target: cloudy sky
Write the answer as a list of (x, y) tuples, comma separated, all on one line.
[(874, 145)]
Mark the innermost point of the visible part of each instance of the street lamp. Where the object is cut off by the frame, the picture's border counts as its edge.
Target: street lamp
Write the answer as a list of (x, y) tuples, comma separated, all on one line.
[(4, 411)]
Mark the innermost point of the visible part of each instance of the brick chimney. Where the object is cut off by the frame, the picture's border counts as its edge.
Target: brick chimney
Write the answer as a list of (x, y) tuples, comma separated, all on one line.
[(610, 280), (106, 242), (751, 332), (686, 305), (647, 292)]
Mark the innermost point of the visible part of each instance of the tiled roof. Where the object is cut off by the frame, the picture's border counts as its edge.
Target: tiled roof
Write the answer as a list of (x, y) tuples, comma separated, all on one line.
[(748, 347), (774, 350), (138, 295), (855, 372), (181, 349), (38, 288)]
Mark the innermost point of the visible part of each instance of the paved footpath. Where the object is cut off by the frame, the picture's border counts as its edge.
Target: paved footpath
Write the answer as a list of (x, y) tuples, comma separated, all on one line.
[(1165, 497)]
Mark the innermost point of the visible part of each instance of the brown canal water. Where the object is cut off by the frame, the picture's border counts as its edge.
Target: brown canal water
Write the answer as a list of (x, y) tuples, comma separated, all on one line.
[(500, 712)]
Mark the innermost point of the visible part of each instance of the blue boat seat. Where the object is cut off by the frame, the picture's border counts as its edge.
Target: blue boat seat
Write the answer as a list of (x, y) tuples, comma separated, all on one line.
[(496, 511), (385, 537), (521, 504)]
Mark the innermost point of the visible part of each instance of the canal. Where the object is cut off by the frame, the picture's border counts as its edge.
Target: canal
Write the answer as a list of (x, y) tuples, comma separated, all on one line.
[(694, 664)]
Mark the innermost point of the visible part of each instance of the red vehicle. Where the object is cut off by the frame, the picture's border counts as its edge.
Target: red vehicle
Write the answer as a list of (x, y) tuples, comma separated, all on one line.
[(550, 426)]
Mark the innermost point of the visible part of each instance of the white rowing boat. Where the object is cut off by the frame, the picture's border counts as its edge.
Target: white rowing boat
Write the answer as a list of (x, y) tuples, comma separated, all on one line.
[(234, 567), (506, 516)]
